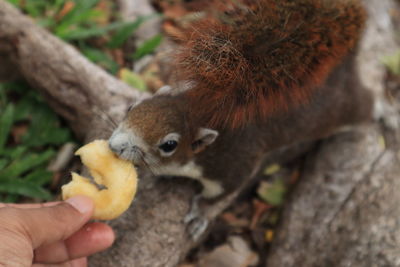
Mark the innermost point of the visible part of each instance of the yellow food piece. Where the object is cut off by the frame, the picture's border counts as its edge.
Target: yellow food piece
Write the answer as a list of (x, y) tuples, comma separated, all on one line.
[(117, 175)]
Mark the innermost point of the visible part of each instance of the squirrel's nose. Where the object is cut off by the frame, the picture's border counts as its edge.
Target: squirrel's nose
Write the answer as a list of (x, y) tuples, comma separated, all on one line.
[(119, 143), (117, 148), (124, 143)]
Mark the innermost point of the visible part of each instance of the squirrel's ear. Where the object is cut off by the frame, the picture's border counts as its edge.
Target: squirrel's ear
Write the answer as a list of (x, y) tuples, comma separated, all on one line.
[(203, 138)]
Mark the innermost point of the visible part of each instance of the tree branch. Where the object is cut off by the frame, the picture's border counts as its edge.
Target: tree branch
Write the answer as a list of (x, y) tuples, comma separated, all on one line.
[(75, 88)]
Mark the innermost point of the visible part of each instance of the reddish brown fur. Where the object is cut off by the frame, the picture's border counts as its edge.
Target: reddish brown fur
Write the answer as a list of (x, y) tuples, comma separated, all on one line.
[(264, 57)]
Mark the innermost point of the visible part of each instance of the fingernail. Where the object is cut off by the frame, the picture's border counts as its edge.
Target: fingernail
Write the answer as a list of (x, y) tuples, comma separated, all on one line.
[(81, 203)]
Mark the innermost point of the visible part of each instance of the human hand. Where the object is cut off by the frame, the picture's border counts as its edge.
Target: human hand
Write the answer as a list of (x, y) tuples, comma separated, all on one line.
[(51, 233)]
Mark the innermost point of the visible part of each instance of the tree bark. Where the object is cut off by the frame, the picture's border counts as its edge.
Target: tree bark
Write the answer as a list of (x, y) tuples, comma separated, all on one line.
[(345, 209), (151, 233)]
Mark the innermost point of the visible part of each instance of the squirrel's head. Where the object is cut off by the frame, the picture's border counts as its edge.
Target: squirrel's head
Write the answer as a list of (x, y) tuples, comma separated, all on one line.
[(157, 133)]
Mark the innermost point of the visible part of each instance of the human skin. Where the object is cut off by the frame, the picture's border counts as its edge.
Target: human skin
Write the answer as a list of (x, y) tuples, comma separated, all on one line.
[(55, 233)]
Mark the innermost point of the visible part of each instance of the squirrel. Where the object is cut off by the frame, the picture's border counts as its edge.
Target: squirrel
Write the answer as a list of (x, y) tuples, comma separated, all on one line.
[(258, 76)]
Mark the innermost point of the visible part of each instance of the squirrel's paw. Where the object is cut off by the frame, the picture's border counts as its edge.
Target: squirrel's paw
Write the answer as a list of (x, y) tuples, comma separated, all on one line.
[(197, 227), (387, 113), (196, 222)]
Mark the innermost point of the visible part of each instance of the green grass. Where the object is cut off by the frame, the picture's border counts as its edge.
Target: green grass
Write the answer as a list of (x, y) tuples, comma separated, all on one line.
[(148, 46), (24, 156)]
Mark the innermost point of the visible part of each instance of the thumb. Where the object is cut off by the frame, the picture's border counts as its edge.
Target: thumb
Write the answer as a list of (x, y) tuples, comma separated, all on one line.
[(50, 224)]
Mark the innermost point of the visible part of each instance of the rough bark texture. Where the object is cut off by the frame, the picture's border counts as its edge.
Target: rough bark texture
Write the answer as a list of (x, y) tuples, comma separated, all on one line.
[(152, 234), (345, 210)]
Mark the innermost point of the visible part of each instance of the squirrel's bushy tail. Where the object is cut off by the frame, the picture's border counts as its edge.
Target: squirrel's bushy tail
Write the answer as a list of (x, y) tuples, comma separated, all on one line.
[(257, 58)]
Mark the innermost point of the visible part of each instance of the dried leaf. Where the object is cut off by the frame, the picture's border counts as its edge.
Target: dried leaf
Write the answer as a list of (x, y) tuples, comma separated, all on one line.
[(259, 208), (234, 221), (172, 30), (235, 253), (105, 8), (68, 6), (269, 236)]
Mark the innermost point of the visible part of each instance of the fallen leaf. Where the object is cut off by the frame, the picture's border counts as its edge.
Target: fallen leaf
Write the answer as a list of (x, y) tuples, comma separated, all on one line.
[(118, 56), (382, 142), (259, 208), (151, 74), (133, 79), (271, 169), (235, 253), (172, 30), (68, 6), (104, 6), (272, 193), (234, 221), (269, 236), (392, 62)]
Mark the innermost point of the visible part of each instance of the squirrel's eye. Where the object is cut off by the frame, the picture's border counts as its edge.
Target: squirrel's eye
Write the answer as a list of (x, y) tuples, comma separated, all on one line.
[(168, 146)]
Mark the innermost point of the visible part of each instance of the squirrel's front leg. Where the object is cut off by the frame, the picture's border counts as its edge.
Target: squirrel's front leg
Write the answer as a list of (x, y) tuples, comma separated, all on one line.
[(195, 219)]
